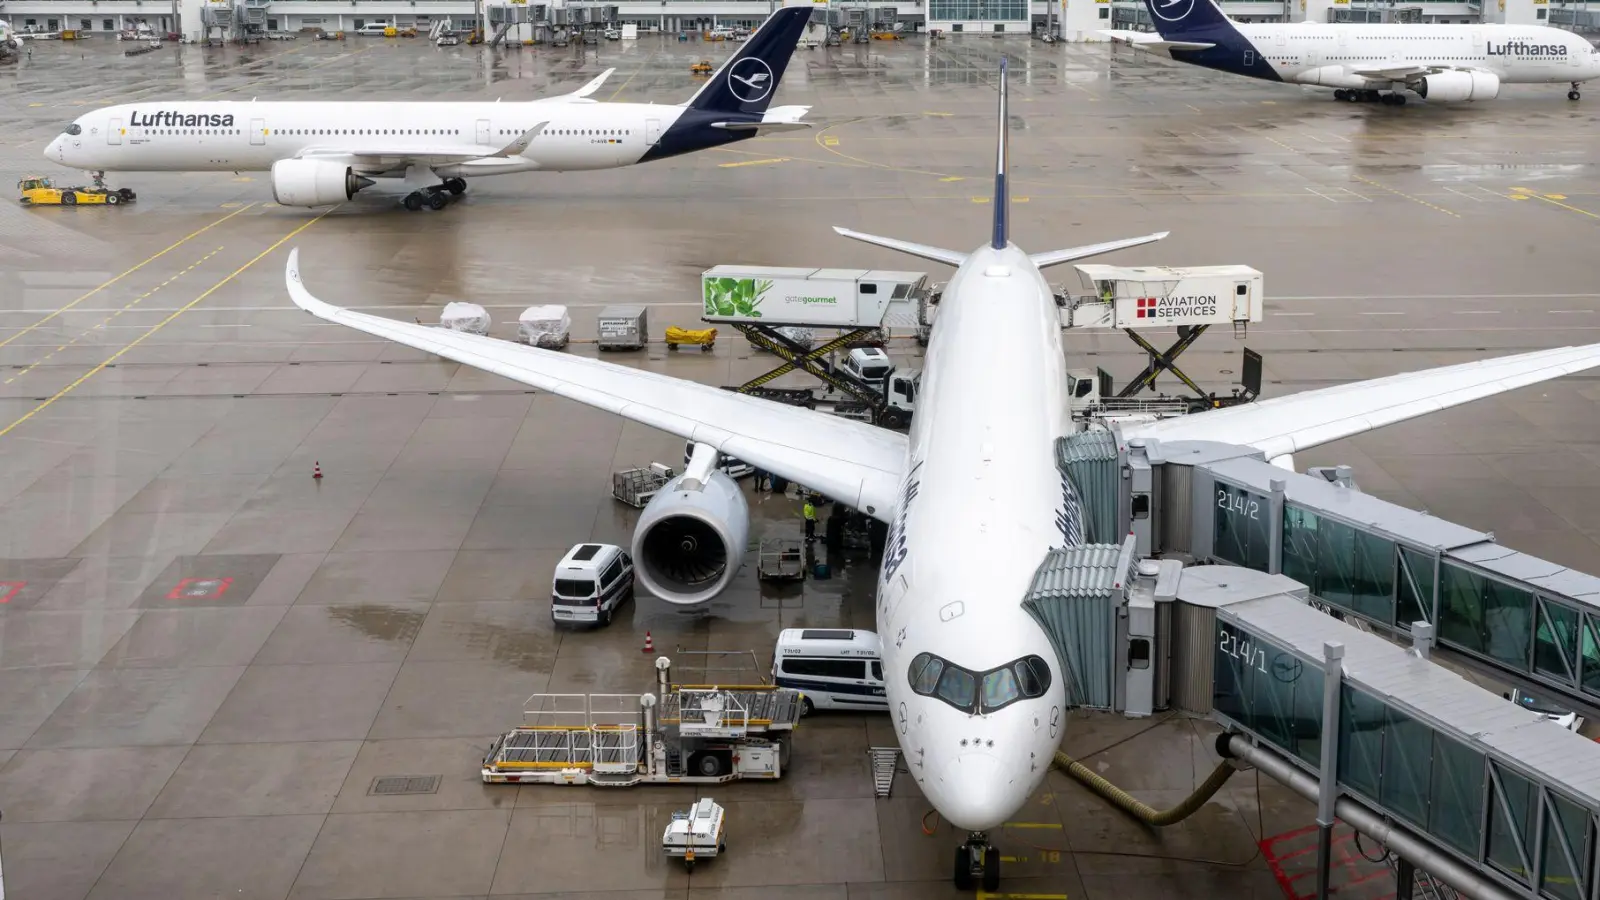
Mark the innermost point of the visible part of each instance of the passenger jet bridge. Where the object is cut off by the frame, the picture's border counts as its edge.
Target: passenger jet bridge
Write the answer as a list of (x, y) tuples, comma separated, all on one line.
[(1301, 614)]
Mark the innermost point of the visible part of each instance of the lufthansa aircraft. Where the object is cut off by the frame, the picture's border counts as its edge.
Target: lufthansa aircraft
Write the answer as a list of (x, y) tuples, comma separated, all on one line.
[(972, 496), (1441, 63), (321, 153)]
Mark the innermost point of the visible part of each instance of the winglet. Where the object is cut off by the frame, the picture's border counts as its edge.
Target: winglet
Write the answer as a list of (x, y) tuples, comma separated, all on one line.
[(521, 143), (1001, 195), (298, 293), (594, 84)]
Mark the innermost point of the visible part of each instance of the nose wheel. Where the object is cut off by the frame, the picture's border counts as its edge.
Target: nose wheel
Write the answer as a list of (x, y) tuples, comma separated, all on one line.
[(977, 863), (1573, 94)]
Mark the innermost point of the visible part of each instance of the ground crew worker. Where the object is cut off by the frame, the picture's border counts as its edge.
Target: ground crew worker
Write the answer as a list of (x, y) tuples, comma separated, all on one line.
[(809, 511)]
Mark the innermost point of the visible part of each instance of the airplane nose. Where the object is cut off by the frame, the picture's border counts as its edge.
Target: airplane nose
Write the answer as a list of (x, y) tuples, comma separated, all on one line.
[(977, 793), (53, 151)]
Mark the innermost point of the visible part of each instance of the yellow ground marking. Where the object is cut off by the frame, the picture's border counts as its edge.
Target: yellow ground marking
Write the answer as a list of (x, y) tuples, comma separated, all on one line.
[(107, 320), (753, 162), (105, 284), (162, 324)]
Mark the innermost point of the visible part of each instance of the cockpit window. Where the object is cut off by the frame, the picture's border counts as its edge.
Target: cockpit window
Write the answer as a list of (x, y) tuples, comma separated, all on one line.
[(979, 693), (74, 128)]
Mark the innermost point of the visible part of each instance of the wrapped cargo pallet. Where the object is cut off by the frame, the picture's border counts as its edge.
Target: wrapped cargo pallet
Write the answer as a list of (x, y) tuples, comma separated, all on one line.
[(468, 317), (545, 326)]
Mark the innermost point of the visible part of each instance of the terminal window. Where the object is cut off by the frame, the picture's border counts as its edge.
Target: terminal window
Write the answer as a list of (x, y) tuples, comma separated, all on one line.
[(978, 10), (1241, 533)]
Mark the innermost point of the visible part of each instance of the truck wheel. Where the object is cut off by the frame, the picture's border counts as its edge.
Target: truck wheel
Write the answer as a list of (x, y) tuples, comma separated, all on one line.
[(891, 418), (113, 199), (69, 199)]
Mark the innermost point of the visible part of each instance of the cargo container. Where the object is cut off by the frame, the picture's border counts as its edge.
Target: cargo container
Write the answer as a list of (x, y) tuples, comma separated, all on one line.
[(773, 296), (623, 328), (1164, 296)]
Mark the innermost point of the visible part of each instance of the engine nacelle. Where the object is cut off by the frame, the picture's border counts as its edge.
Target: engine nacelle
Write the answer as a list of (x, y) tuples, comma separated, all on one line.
[(1454, 87), (313, 182), (691, 538)]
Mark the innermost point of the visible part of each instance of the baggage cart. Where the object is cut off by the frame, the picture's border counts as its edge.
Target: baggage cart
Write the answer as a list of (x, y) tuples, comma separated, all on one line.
[(637, 487)]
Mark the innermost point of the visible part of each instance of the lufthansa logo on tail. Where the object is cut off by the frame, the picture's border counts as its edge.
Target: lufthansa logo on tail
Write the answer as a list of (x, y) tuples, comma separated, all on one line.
[(1172, 10), (750, 79)]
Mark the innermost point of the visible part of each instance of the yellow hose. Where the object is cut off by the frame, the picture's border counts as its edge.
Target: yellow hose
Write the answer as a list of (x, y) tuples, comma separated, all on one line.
[(1148, 815)]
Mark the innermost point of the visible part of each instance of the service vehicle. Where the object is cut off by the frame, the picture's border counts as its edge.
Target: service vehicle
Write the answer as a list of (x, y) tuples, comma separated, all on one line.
[(374, 29), (590, 582), (834, 668), (697, 833), (37, 190), (784, 295), (448, 39), (1556, 713), (870, 364)]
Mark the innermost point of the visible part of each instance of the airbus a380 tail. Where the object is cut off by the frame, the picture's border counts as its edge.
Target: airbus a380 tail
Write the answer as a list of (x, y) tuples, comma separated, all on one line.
[(972, 496), (321, 153), (1442, 63)]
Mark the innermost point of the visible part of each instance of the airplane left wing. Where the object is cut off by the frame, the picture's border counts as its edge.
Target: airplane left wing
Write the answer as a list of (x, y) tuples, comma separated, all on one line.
[(1284, 425), (855, 463), (384, 159)]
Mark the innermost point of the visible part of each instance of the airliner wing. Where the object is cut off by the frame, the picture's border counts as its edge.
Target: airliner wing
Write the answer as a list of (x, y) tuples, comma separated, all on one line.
[(1301, 421), (847, 460), (1394, 73), (580, 93), (383, 159), (1145, 40)]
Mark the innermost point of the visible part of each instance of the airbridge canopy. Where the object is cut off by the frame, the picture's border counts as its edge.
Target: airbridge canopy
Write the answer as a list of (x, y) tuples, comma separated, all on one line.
[(1513, 795), (1379, 563)]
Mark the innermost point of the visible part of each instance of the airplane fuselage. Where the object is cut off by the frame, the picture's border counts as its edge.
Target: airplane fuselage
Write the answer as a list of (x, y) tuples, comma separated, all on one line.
[(979, 509), (1326, 54), (230, 136)]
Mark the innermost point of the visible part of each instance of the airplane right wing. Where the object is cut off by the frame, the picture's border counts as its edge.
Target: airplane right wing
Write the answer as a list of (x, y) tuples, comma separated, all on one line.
[(853, 462), (1283, 425)]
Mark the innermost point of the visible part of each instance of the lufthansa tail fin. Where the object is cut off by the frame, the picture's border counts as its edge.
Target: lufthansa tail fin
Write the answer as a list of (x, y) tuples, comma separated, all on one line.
[(1177, 19), (746, 83), (1002, 198)]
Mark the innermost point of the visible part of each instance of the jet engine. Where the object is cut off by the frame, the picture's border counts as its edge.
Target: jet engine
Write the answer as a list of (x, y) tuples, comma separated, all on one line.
[(313, 182), (691, 538), (1454, 87)]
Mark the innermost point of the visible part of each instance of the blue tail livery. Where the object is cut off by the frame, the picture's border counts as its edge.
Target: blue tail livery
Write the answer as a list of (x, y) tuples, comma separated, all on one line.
[(733, 103)]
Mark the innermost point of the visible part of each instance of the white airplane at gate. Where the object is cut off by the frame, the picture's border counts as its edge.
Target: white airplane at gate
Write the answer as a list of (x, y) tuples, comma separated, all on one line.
[(972, 496), (322, 153)]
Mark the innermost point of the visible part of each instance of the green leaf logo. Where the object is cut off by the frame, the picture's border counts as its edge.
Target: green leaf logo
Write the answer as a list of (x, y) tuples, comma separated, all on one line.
[(728, 297)]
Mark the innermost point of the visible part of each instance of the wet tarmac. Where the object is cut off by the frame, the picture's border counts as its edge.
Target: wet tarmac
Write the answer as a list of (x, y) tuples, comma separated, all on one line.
[(208, 658)]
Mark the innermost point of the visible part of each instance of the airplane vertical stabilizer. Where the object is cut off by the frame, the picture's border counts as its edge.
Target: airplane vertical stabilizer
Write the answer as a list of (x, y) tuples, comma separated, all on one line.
[(746, 83), (1002, 199)]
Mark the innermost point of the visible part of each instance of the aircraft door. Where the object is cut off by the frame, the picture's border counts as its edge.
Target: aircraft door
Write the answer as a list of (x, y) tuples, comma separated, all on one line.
[(114, 131), (258, 131), (483, 132), (1249, 58), (652, 131), (1477, 45)]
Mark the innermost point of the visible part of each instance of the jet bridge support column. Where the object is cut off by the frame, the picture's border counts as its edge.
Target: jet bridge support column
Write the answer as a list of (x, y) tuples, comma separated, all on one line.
[(1328, 785)]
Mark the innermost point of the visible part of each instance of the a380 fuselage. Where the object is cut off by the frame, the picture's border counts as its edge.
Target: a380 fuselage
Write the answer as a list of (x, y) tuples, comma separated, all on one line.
[(979, 509)]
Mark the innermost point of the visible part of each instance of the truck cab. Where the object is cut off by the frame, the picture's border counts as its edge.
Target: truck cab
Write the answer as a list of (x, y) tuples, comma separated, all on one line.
[(869, 364)]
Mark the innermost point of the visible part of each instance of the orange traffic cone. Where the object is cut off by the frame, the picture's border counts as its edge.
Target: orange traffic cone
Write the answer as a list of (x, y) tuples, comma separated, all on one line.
[(316, 471), (649, 643)]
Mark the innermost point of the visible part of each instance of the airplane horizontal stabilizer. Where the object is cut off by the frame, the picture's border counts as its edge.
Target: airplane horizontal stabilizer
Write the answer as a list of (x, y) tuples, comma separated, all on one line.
[(1288, 424), (761, 127), (1147, 41), (948, 257), (1057, 257)]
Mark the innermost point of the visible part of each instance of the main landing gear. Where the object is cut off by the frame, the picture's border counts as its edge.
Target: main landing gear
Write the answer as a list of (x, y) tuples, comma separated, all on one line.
[(978, 861), (436, 197), (1354, 96), (1573, 94)]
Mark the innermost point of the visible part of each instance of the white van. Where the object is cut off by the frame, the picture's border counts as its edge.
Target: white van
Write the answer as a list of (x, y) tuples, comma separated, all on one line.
[(373, 29), (591, 581), (836, 668)]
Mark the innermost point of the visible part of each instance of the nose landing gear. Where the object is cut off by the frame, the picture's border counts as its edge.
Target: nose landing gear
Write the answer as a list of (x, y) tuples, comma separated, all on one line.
[(977, 862), (1573, 94)]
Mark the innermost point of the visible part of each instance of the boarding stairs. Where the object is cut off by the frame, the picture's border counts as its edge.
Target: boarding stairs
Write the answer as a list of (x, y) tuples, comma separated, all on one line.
[(499, 33), (436, 30), (885, 760)]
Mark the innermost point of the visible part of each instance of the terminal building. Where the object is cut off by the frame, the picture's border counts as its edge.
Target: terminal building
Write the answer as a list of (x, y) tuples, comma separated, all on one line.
[(1070, 20)]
